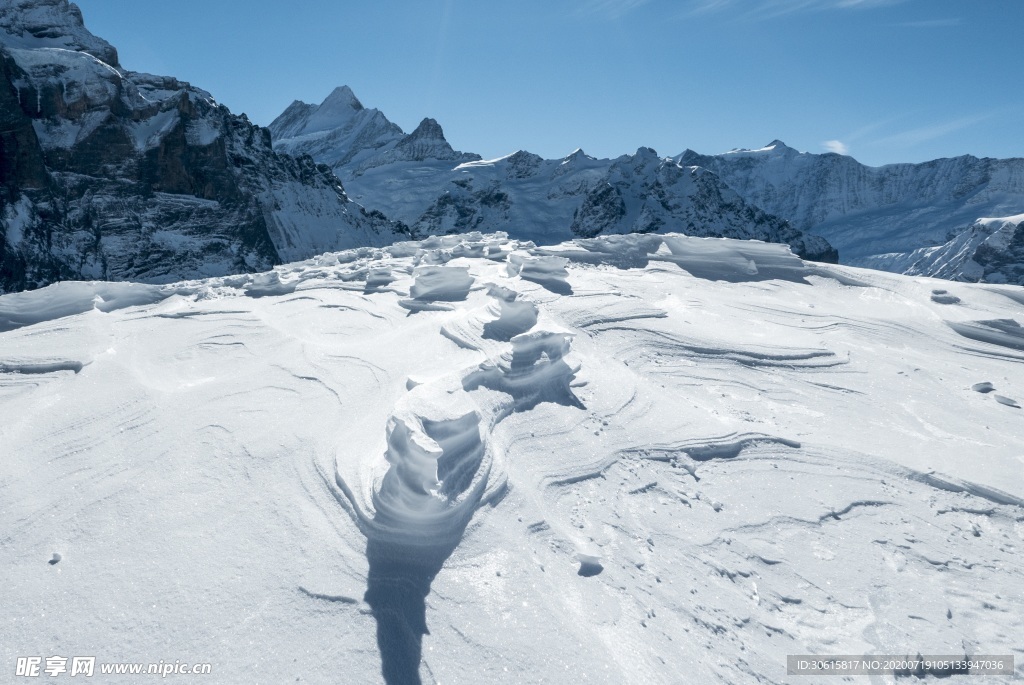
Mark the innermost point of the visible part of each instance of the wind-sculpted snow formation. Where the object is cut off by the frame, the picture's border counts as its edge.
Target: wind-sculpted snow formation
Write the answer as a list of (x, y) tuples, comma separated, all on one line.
[(475, 459)]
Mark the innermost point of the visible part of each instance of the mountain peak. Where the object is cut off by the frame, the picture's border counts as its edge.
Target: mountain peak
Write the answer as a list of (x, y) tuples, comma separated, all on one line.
[(340, 99), (337, 111), (52, 24), (426, 142), (578, 153), (428, 129), (778, 147)]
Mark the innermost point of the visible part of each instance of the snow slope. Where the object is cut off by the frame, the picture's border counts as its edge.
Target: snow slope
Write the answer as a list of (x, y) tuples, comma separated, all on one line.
[(990, 250), (638, 458)]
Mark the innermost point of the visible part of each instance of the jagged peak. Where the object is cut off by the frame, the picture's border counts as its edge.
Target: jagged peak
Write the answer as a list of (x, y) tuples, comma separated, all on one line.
[(338, 110), (341, 98), (576, 154), (427, 141), (523, 156), (428, 129), (776, 147), (688, 157), (298, 104)]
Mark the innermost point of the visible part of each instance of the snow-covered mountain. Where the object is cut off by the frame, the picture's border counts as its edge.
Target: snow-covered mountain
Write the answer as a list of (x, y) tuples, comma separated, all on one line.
[(990, 250), (885, 217), (476, 460), (342, 133), (420, 180), (108, 173)]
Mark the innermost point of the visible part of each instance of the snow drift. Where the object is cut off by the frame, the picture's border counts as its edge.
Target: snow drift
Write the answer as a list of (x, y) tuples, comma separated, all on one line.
[(616, 460)]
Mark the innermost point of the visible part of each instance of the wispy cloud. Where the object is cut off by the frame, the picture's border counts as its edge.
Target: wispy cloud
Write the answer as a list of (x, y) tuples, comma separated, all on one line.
[(707, 6), (930, 23), (766, 9), (836, 146), (610, 9), (864, 4), (871, 128), (923, 134)]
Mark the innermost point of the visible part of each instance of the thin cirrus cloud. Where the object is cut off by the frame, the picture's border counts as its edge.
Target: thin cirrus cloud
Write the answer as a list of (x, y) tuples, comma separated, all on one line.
[(610, 9), (766, 9), (930, 23), (923, 134)]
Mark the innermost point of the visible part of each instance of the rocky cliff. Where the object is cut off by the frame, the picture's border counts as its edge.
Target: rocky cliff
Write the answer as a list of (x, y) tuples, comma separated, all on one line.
[(111, 174)]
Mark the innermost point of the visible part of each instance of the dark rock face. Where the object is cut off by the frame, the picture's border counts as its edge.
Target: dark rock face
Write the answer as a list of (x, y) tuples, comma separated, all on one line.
[(601, 208), (111, 174), (690, 200), (1000, 256)]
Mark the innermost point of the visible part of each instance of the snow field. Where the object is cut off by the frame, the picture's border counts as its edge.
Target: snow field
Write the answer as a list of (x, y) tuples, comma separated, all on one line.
[(684, 456)]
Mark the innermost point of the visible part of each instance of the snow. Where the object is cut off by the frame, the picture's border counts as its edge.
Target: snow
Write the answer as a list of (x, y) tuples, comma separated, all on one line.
[(997, 222), (775, 147), (955, 259), (65, 133), (201, 132), (50, 24), (879, 217), (611, 460), (485, 162), (149, 132), (17, 217), (304, 220), (334, 112), (81, 75)]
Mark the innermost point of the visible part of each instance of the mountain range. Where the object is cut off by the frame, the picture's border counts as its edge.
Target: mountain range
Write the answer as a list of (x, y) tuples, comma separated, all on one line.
[(107, 173), (952, 218), (421, 181)]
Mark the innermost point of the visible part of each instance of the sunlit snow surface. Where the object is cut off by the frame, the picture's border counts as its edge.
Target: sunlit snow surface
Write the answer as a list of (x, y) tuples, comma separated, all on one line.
[(633, 459)]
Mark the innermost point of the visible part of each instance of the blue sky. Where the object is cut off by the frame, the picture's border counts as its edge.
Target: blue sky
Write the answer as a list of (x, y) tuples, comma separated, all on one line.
[(883, 80)]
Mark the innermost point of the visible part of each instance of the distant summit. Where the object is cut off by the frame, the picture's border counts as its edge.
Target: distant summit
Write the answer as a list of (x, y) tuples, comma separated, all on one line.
[(774, 148), (343, 134)]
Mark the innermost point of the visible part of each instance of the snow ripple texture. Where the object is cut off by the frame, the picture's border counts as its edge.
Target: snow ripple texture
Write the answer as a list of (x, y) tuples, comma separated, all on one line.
[(610, 460)]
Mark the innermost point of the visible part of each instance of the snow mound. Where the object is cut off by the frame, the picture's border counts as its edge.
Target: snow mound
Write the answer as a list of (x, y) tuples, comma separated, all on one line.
[(700, 456), (71, 298)]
